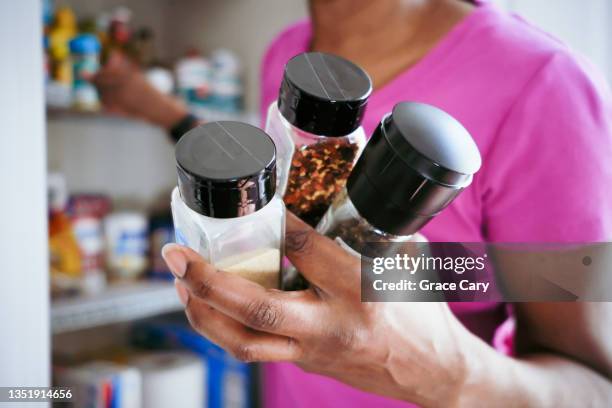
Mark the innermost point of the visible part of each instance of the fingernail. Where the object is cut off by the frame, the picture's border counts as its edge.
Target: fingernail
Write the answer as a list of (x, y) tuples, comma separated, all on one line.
[(182, 292), (174, 259)]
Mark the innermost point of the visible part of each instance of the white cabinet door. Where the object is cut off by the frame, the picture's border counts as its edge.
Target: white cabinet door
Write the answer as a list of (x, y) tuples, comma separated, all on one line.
[(24, 289)]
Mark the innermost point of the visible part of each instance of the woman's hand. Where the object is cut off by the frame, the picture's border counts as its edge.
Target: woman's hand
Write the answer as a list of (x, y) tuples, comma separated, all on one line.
[(124, 90), (412, 351)]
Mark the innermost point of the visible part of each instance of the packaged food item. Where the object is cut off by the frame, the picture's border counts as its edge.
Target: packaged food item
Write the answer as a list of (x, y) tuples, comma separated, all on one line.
[(161, 79), (316, 126), (85, 51), (89, 205), (144, 47), (229, 382), (86, 213), (161, 232), (48, 10), (88, 231), (62, 28), (172, 378), (119, 32), (417, 162), (226, 86), (225, 205), (193, 79), (65, 256), (126, 244), (57, 192), (101, 384)]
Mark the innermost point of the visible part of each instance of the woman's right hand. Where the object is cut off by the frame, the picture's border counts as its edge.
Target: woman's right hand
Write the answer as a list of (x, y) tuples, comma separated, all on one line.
[(124, 90)]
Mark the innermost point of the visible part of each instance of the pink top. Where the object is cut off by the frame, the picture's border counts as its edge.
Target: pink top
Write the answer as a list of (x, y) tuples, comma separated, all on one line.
[(541, 118)]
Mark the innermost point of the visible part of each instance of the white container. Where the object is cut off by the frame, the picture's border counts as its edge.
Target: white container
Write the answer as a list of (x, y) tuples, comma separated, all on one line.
[(193, 79), (172, 379), (88, 232), (126, 244), (225, 205), (316, 126)]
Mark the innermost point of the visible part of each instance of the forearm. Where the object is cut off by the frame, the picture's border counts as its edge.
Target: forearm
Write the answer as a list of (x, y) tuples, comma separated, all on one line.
[(166, 112), (539, 380)]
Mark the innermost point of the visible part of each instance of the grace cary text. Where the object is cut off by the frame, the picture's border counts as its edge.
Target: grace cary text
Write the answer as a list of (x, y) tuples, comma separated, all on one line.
[(425, 285)]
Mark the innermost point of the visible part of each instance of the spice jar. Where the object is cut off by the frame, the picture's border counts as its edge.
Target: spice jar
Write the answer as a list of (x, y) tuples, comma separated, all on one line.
[(417, 162), (316, 126), (225, 205)]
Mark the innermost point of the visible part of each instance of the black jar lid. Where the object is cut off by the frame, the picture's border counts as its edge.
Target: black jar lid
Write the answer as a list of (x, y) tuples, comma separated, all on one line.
[(417, 161), (324, 94), (226, 169)]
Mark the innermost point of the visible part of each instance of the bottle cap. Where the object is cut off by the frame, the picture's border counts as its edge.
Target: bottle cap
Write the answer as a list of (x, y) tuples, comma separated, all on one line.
[(417, 161), (85, 44), (226, 169), (324, 94)]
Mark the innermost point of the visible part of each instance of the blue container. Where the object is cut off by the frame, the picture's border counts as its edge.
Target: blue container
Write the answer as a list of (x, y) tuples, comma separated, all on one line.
[(228, 380)]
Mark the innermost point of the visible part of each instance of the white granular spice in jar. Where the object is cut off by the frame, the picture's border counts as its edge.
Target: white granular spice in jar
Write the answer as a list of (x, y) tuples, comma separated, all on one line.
[(261, 266)]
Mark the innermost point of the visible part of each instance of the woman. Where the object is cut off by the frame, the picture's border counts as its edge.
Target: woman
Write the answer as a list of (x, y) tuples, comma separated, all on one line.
[(542, 121)]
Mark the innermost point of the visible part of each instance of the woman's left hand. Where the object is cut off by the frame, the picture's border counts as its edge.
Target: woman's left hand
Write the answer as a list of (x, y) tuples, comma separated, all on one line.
[(411, 351)]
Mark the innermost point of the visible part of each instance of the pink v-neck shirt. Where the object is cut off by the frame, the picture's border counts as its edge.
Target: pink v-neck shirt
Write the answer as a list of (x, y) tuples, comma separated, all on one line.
[(542, 119)]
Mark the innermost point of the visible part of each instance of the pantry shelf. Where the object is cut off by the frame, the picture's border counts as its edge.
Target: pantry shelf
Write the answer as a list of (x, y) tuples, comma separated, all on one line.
[(207, 115), (120, 303)]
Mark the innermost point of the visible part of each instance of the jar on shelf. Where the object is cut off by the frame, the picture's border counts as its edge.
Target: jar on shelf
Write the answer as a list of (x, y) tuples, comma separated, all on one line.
[(225, 206), (85, 55), (316, 126)]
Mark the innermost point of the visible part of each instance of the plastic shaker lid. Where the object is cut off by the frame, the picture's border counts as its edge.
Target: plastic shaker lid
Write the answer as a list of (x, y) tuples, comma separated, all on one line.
[(85, 44), (226, 169), (324, 94), (417, 161)]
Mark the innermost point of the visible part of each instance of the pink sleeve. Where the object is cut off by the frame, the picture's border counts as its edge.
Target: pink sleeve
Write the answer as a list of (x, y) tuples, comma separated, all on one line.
[(548, 175)]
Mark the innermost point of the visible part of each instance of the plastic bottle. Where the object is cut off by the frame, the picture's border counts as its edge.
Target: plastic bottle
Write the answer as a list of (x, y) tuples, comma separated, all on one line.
[(193, 79), (316, 125), (119, 33), (64, 28), (85, 51), (225, 205), (417, 162), (126, 244), (226, 86)]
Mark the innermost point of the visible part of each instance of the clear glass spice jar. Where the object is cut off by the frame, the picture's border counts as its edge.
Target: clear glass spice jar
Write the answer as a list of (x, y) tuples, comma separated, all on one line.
[(417, 162), (316, 126), (225, 206)]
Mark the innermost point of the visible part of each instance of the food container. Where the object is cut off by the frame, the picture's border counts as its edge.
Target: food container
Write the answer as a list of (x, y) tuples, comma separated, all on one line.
[(225, 206), (85, 54), (417, 162), (316, 126), (126, 244)]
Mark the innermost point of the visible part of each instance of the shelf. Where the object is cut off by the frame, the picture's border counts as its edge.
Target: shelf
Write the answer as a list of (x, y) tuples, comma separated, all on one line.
[(206, 114), (117, 304)]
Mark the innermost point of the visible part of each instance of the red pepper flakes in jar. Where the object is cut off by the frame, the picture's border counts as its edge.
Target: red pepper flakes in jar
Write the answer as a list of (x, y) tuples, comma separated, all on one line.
[(316, 127), (318, 172)]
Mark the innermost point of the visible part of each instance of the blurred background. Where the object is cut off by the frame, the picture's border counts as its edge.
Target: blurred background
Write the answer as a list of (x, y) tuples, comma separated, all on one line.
[(100, 312)]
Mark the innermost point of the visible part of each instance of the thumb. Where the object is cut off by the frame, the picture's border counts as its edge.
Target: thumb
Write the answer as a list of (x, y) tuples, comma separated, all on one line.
[(322, 262)]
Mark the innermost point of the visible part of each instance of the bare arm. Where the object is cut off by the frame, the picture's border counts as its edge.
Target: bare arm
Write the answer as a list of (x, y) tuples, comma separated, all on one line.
[(418, 352), (564, 355), (564, 352), (124, 90)]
